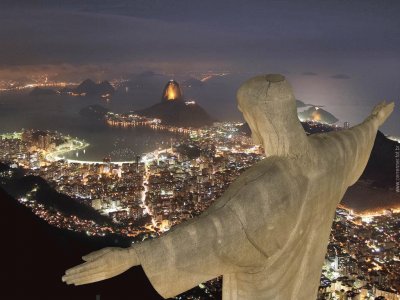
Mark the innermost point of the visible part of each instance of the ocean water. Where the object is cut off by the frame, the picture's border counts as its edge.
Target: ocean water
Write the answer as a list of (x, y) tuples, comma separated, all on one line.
[(61, 113)]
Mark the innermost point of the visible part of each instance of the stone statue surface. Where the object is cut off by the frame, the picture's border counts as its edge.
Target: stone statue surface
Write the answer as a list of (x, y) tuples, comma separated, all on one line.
[(268, 233)]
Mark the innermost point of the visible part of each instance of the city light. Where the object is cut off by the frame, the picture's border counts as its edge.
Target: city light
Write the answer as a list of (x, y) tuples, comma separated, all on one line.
[(169, 187)]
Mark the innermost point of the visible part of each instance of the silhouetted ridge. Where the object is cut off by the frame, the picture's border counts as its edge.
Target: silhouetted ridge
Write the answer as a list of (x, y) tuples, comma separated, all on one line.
[(300, 103), (177, 113), (36, 255), (51, 199), (381, 167), (37, 91), (86, 85), (317, 114), (90, 88)]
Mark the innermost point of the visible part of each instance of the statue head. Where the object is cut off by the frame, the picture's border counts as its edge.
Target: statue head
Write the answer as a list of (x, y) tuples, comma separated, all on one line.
[(269, 107)]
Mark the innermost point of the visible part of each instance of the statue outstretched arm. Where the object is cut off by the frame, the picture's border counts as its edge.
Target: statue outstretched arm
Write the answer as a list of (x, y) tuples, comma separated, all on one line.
[(102, 264), (193, 252), (201, 249), (354, 145), (364, 135), (381, 112)]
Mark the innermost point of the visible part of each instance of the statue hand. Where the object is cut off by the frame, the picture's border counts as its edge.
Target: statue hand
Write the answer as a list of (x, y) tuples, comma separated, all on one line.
[(102, 264), (382, 111)]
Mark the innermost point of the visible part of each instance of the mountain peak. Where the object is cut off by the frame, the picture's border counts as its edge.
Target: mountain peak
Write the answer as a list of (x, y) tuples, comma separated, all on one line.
[(89, 87)]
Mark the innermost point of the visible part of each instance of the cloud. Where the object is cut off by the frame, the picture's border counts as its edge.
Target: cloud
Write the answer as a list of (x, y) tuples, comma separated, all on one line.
[(309, 74), (340, 76), (123, 35), (52, 37)]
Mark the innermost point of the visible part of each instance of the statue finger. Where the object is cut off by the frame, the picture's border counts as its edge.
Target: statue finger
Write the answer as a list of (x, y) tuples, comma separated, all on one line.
[(95, 254), (96, 277), (91, 279), (73, 278), (85, 266), (390, 106)]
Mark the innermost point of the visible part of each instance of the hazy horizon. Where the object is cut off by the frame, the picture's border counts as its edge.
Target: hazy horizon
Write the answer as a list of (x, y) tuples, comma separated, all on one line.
[(344, 55)]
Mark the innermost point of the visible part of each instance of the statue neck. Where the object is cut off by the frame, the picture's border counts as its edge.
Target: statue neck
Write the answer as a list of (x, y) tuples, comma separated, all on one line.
[(286, 139)]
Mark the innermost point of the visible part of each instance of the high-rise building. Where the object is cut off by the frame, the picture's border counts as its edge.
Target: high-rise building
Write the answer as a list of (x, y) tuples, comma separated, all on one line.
[(346, 125), (40, 139), (44, 141), (97, 204)]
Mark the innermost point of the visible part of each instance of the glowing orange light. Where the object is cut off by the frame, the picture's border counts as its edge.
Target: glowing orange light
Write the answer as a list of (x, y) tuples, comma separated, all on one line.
[(316, 116), (170, 92)]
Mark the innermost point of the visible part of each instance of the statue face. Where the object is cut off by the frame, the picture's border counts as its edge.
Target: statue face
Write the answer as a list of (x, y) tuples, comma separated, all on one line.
[(255, 135)]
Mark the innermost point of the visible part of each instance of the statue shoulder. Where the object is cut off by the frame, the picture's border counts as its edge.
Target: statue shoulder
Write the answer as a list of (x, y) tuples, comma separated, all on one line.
[(268, 199), (269, 202), (267, 181), (250, 175)]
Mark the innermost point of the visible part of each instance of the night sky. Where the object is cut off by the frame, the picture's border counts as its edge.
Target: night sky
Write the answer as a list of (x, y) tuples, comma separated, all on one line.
[(335, 53)]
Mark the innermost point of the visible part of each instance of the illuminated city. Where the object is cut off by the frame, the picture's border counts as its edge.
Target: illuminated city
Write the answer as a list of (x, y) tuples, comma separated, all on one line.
[(168, 186), (120, 120)]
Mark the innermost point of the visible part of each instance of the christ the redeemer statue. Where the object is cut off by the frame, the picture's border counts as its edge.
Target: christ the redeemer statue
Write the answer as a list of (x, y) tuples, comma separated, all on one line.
[(268, 233)]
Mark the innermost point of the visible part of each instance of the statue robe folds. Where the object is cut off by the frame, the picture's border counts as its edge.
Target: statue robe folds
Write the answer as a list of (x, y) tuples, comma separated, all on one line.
[(267, 235), (243, 238)]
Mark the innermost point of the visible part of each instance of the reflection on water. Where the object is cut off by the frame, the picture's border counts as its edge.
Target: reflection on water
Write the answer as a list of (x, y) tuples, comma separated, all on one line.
[(120, 143), (61, 113)]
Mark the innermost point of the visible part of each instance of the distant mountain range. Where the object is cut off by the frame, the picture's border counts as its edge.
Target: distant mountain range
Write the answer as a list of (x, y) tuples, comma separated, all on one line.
[(178, 113), (38, 91), (173, 110), (315, 113), (90, 88), (87, 88), (300, 103), (217, 91), (312, 112)]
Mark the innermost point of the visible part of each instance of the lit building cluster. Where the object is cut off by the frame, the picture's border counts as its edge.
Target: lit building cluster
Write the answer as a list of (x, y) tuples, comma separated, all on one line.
[(29, 147), (184, 182), (133, 120), (66, 222), (171, 185), (42, 82), (152, 193), (74, 223), (363, 257), (111, 189), (130, 120)]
